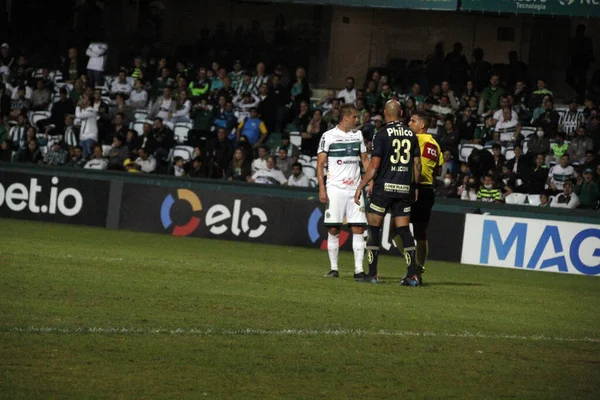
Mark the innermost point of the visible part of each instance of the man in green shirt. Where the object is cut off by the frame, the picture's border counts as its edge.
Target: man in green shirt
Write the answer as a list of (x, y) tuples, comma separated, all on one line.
[(485, 134), (490, 97), (587, 190), (488, 192)]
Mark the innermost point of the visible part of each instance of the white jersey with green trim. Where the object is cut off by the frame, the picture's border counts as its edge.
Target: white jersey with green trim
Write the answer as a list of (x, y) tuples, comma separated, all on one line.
[(343, 151)]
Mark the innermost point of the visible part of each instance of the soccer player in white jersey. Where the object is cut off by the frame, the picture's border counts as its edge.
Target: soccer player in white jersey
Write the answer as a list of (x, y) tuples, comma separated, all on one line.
[(342, 149)]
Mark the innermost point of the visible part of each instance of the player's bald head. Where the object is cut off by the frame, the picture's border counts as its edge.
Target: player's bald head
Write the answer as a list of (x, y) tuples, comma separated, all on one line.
[(392, 111)]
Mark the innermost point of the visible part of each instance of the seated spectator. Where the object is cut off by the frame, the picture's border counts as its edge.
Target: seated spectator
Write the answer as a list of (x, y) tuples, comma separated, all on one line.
[(146, 161), (448, 137), (434, 97), (260, 77), (132, 142), (468, 93), (162, 82), (571, 120), (535, 181), (348, 94), (253, 128), (539, 93), (237, 74), (182, 109), (415, 93), (198, 170), (20, 104), (505, 102), (261, 161), (466, 125), (220, 149), (216, 82), (579, 145), (566, 199), (332, 116), (385, 95), (70, 133), (508, 180), (297, 178), (199, 88), (292, 150), (590, 162), (6, 151), (544, 199), (97, 161), (239, 167), (77, 160), (442, 109), (244, 85), (283, 162), (489, 192), (447, 91), (178, 167), (202, 120), (226, 91), (56, 155), (269, 175), (559, 174), (121, 85), (118, 153), (164, 138), (518, 164), (73, 67), (30, 154), (557, 149), (244, 103), (538, 143), (163, 106), (448, 167), (587, 190), (138, 98), (40, 97), (120, 106), (299, 90), (485, 135), (311, 137), (447, 189), (118, 127), (490, 96), (548, 121), (499, 160), (521, 99), (17, 133), (470, 189), (58, 112), (508, 128)]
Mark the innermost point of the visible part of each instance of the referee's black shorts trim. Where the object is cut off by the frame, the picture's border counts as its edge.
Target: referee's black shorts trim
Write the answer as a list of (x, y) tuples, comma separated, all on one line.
[(421, 209)]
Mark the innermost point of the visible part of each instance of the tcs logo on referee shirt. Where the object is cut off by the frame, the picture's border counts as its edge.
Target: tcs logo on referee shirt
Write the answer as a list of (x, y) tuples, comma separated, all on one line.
[(315, 235), (430, 152)]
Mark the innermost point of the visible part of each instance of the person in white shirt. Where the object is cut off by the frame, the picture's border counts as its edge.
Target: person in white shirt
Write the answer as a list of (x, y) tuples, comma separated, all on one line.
[(97, 161), (567, 199), (88, 134), (183, 108), (96, 51), (243, 102), (508, 128), (145, 161), (270, 175), (559, 174), (349, 93), (261, 161), (505, 103), (138, 98), (163, 106), (121, 85), (442, 109), (298, 178)]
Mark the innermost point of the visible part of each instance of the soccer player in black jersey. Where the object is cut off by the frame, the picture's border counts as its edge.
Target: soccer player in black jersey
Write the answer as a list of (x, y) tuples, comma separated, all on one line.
[(395, 165)]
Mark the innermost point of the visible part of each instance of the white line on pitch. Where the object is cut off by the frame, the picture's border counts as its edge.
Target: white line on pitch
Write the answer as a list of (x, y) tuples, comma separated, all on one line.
[(284, 332)]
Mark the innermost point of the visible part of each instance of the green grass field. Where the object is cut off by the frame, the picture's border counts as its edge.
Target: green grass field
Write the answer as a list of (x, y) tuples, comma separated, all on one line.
[(95, 313)]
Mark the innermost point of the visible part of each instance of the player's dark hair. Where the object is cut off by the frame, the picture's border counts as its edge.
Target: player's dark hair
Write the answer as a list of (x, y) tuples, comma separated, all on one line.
[(346, 110), (425, 117)]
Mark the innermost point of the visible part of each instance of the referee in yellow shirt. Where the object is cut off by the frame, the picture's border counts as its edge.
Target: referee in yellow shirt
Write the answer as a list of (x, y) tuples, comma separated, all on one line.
[(431, 160)]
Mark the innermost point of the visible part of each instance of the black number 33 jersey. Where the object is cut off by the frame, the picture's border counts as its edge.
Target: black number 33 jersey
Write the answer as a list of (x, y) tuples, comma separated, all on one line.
[(397, 146)]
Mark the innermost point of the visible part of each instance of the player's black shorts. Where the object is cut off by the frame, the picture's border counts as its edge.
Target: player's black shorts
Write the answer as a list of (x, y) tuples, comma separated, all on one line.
[(380, 203), (421, 209)]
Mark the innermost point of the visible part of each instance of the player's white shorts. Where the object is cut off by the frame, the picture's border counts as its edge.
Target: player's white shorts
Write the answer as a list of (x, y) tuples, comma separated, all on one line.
[(342, 208)]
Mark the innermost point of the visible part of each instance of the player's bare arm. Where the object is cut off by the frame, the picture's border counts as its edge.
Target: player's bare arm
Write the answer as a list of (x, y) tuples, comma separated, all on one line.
[(418, 167), (321, 162), (368, 177)]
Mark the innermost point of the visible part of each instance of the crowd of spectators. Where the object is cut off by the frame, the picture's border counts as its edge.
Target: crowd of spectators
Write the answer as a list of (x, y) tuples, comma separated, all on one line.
[(500, 137)]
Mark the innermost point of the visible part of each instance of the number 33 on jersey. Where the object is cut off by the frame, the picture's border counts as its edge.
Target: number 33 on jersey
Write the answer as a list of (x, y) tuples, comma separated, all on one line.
[(397, 146)]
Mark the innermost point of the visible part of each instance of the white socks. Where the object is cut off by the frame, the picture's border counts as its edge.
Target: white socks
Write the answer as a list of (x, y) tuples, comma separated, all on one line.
[(358, 246), (333, 246)]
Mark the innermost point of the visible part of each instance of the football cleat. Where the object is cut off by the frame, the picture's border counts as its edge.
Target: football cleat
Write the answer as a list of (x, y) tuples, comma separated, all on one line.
[(332, 274), (410, 281), (368, 279), (358, 276)]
